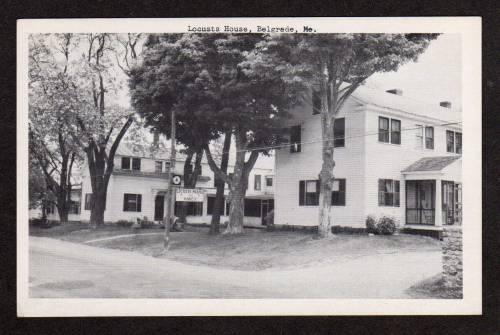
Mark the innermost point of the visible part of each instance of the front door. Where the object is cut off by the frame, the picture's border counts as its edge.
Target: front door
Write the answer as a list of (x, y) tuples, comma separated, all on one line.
[(266, 207), (420, 198), (159, 207)]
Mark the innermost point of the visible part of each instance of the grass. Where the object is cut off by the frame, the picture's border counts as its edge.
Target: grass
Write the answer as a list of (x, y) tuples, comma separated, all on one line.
[(261, 249), (432, 288)]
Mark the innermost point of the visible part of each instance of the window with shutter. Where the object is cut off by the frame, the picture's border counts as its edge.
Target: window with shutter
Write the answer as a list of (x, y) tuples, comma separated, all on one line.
[(429, 137), (338, 192), (383, 129)]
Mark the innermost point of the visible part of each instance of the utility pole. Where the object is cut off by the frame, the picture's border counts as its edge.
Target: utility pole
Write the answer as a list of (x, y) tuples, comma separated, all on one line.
[(167, 220)]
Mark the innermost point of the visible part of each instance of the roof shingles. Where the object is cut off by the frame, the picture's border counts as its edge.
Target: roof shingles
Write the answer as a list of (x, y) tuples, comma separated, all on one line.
[(431, 164)]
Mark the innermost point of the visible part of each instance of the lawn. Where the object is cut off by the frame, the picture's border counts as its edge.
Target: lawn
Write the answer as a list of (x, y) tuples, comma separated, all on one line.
[(433, 288), (254, 250)]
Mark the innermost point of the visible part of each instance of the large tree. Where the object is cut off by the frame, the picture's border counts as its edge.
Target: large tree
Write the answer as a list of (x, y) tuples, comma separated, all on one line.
[(334, 65), (165, 82), (201, 77), (52, 100)]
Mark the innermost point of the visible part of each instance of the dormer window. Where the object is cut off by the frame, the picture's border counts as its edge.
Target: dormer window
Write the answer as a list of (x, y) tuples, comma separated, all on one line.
[(136, 163)]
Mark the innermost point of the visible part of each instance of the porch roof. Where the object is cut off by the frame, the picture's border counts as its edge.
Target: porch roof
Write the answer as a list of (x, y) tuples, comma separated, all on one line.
[(428, 164)]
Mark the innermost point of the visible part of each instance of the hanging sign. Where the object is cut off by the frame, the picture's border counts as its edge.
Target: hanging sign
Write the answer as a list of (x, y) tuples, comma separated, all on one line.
[(176, 179), (190, 194)]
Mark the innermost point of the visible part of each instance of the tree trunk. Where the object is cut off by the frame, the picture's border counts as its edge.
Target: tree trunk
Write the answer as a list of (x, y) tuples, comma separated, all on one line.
[(326, 173), (220, 185), (98, 207), (236, 211)]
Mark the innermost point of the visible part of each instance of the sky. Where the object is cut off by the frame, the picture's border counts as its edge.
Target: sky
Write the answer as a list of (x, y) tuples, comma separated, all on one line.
[(435, 77)]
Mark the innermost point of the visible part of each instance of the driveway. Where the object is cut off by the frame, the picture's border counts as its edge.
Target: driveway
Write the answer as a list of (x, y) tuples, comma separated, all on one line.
[(60, 269)]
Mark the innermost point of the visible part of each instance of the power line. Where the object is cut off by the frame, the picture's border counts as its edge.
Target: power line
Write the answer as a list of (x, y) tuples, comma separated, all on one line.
[(285, 145)]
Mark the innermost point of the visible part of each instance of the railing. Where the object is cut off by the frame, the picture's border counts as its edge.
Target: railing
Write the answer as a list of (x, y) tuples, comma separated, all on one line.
[(420, 216)]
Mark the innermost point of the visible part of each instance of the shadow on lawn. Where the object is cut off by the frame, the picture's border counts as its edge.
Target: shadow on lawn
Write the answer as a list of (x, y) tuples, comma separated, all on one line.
[(434, 288)]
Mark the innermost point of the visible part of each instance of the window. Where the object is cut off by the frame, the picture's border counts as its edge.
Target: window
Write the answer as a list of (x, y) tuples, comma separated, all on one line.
[(158, 166), (338, 192), (252, 207), (308, 193), (132, 202), (383, 129), (395, 131), (295, 139), (450, 141), (50, 209), (458, 143), (453, 142), (388, 192), (429, 137), (316, 102), (256, 182), (74, 207), (269, 181), (339, 133), (125, 163), (389, 136), (88, 201), (136, 164), (193, 208)]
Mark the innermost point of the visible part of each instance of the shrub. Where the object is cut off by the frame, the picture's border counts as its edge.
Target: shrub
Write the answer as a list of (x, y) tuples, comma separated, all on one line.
[(124, 223), (386, 225), (371, 224)]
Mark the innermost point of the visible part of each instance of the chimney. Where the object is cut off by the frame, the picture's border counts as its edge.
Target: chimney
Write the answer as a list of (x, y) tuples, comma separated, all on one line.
[(445, 104), (396, 91)]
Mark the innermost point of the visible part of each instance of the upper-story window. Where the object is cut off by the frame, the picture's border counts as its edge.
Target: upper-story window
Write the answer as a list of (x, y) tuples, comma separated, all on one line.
[(383, 129), (158, 166), (316, 102), (339, 132), (136, 163), (395, 131), (257, 182), (429, 137), (458, 143), (295, 138), (453, 142), (269, 181), (389, 130)]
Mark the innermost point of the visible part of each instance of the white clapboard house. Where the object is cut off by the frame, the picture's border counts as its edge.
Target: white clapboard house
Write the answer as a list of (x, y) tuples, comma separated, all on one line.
[(394, 156), (138, 185)]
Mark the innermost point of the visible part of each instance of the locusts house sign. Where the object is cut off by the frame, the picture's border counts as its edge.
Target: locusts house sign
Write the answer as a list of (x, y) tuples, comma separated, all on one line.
[(190, 194)]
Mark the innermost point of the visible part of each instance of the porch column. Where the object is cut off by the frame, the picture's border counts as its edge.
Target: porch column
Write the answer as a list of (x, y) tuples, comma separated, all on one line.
[(438, 219)]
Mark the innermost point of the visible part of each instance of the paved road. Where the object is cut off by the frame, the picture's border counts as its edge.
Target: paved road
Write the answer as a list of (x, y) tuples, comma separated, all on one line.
[(60, 269)]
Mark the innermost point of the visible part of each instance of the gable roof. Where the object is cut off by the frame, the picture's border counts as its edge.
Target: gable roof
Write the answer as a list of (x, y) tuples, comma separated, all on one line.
[(383, 99), (431, 164)]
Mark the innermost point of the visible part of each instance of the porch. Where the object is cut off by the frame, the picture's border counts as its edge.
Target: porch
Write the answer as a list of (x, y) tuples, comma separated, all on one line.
[(433, 193)]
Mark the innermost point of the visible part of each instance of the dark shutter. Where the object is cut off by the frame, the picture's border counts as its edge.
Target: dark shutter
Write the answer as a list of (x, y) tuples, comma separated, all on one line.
[(125, 201), (317, 193), (339, 133), (302, 190), (139, 202)]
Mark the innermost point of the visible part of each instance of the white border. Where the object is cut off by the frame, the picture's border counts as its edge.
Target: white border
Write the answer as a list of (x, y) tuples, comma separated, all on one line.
[(470, 30)]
